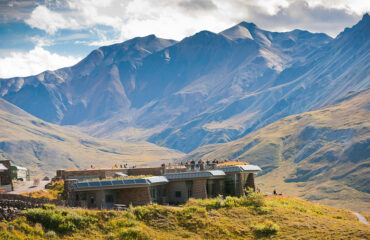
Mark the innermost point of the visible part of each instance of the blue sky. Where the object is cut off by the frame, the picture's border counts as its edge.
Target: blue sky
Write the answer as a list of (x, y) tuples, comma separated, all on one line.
[(50, 34)]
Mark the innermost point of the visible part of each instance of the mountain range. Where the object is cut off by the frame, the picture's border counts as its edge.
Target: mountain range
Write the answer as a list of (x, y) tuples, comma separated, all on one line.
[(215, 95)]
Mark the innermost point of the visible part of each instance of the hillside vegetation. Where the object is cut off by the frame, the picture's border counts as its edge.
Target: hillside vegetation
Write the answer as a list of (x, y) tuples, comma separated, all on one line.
[(251, 217), (44, 147), (322, 155)]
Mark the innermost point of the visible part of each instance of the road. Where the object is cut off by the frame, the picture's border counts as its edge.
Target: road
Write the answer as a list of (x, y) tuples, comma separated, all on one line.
[(361, 218), (27, 186)]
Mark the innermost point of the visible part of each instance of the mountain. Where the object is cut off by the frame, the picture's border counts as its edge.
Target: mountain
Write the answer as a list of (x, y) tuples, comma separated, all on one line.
[(43, 147), (207, 88), (322, 155), (92, 89)]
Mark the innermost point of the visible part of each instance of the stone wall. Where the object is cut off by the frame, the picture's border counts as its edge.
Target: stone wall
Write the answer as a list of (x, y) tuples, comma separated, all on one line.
[(134, 196), (31, 200), (250, 181), (199, 188), (68, 193), (177, 186), (11, 205)]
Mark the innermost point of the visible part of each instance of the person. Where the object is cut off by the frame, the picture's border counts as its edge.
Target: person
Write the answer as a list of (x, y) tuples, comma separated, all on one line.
[(201, 164), (192, 163), (275, 192), (126, 166), (120, 166), (258, 190), (208, 162)]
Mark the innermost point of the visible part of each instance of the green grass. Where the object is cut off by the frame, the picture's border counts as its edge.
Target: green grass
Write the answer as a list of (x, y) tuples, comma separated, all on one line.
[(253, 217)]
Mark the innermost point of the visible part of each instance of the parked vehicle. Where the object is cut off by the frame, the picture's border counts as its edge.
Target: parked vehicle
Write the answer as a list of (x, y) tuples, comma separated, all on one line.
[(20, 173)]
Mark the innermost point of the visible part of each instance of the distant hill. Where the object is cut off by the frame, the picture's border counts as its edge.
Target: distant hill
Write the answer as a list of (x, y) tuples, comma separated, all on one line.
[(322, 155), (44, 147)]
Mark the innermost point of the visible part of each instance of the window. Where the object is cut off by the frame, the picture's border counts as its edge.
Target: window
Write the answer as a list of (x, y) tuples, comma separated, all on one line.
[(153, 193), (109, 198), (178, 194), (189, 188)]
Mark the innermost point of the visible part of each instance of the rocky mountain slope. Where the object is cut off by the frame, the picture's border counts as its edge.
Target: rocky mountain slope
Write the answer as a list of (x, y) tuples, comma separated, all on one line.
[(322, 155), (44, 147), (150, 88)]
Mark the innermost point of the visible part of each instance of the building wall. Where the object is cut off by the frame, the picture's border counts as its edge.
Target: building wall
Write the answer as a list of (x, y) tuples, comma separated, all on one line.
[(134, 196), (177, 186), (108, 173), (199, 188), (6, 176)]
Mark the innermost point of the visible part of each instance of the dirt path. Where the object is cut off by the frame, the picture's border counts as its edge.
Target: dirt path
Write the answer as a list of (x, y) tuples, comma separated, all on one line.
[(361, 218), (27, 186)]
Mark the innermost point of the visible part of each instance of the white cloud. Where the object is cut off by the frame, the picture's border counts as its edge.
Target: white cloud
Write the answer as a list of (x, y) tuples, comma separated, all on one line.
[(20, 64), (180, 18), (49, 21)]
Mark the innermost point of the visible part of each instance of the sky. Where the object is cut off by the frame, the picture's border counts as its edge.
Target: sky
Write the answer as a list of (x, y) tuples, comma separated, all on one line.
[(39, 35)]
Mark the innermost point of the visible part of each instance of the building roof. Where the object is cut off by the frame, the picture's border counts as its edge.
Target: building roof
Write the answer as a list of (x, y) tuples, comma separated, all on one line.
[(241, 168), (157, 179), (111, 183), (2, 167), (200, 174)]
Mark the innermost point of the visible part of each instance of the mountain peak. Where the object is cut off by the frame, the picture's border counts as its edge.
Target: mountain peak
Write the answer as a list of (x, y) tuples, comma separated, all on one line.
[(360, 30), (243, 30), (248, 25)]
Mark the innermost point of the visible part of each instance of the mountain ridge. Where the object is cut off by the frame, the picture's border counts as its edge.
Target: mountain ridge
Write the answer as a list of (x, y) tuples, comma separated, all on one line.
[(153, 86)]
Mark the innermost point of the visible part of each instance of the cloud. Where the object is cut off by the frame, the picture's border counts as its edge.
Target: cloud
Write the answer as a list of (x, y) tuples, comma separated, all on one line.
[(177, 19), (37, 60), (50, 21)]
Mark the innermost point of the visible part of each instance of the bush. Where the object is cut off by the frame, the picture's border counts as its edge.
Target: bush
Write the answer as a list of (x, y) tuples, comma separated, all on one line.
[(192, 218), (57, 220), (50, 235), (133, 234), (265, 229), (252, 198)]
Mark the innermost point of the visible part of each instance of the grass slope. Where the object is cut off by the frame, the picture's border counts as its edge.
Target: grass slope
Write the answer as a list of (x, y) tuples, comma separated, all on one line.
[(230, 218), (44, 147), (322, 155)]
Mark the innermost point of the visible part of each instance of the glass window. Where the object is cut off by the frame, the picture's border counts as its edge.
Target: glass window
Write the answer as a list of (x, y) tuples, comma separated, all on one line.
[(109, 198), (178, 194)]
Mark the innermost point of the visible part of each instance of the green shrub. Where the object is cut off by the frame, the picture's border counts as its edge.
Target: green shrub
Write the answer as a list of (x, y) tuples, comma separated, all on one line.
[(265, 229), (192, 218), (48, 206), (50, 235), (133, 234), (252, 198), (149, 212), (57, 220)]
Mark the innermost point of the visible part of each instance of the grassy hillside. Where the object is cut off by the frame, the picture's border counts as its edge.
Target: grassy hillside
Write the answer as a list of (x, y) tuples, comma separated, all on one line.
[(44, 147), (322, 155), (252, 217)]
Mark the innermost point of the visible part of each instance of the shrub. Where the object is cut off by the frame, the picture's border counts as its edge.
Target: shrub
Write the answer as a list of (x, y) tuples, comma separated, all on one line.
[(57, 220), (192, 218), (265, 229), (133, 234), (149, 212), (50, 235), (252, 198), (48, 206)]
